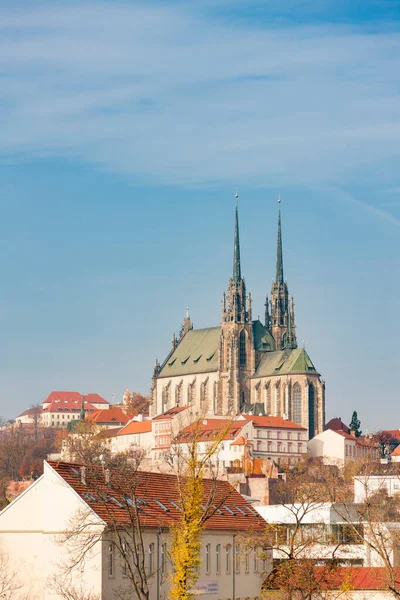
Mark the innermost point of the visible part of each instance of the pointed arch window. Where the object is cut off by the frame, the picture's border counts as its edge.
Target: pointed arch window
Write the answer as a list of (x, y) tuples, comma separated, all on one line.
[(311, 411), (242, 348), (297, 404)]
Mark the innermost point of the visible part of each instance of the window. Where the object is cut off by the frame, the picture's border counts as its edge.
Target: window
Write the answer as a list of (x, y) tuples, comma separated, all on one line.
[(237, 559), (163, 559), (242, 349), (218, 559), (297, 408), (255, 562), (124, 558), (247, 563), (311, 411), (278, 435), (228, 558), (151, 559), (289, 435), (111, 559), (208, 559)]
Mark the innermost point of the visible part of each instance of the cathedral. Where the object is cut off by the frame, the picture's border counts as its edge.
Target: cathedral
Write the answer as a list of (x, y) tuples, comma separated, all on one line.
[(243, 365)]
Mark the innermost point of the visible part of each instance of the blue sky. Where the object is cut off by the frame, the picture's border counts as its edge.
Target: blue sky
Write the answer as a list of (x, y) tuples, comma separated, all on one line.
[(124, 131)]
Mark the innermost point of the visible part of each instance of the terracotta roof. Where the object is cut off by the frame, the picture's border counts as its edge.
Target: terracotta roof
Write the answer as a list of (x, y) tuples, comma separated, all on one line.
[(169, 414), (110, 503), (209, 429), (109, 415), (396, 451), (72, 396), (337, 424), (273, 422), (241, 441), (59, 406), (136, 427), (353, 578), (358, 578)]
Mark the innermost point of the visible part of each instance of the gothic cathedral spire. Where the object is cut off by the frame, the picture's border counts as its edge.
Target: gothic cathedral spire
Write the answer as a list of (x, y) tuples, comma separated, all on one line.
[(237, 272), (234, 309), (281, 322), (279, 258)]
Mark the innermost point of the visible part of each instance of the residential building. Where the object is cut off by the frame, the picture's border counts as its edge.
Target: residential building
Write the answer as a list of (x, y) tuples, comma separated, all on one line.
[(278, 439), (61, 407), (109, 417), (59, 413), (136, 434), (338, 447), (32, 530), (335, 529), (377, 478), (243, 363)]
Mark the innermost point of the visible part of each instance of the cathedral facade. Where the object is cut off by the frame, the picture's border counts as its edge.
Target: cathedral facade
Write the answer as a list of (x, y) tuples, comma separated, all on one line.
[(243, 365)]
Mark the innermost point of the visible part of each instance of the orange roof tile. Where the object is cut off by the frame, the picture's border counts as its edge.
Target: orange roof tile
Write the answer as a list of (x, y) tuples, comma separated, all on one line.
[(109, 501), (272, 422), (72, 396), (136, 427), (109, 415)]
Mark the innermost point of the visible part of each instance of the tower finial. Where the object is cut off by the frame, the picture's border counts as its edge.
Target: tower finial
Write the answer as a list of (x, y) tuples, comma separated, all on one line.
[(237, 275), (279, 258)]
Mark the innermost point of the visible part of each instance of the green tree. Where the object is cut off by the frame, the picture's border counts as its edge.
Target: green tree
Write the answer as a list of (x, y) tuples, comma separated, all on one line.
[(355, 424)]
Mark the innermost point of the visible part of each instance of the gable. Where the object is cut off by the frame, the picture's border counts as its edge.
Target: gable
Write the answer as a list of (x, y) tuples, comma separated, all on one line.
[(285, 362)]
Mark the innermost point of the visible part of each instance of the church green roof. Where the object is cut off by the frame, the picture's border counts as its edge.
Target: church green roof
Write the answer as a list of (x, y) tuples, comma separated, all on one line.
[(285, 362), (263, 340), (197, 352)]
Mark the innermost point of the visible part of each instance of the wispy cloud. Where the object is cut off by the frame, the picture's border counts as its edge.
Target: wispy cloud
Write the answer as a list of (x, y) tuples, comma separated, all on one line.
[(170, 95)]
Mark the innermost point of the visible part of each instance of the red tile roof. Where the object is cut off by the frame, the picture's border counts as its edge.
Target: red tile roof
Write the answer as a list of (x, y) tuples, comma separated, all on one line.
[(109, 415), (352, 578), (209, 429), (109, 500), (59, 406), (136, 427), (358, 578), (242, 442), (272, 422), (72, 396)]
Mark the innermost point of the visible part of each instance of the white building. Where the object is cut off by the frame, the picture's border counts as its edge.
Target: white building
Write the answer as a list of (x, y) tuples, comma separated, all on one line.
[(338, 447), (381, 477), (32, 529), (335, 525)]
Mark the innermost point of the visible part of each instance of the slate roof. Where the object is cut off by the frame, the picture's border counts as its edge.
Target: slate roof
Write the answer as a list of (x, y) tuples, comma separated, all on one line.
[(285, 362), (109, 500)]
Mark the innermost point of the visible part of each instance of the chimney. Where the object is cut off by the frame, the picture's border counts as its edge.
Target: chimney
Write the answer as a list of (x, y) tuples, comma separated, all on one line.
[(107, 476), (83, 475), (352, 432)]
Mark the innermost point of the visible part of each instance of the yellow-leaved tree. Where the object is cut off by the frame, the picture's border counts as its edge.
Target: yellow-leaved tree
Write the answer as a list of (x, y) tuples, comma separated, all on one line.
[(194, 459)]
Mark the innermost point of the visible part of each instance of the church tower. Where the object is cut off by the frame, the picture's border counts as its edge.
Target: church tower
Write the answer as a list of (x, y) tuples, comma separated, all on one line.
[(280, 319), (236, 355)]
